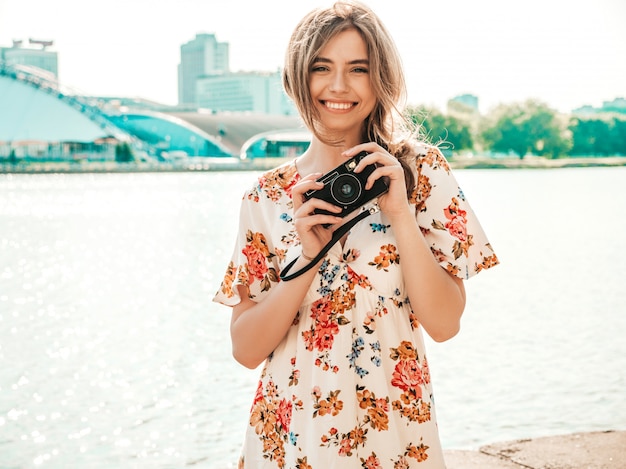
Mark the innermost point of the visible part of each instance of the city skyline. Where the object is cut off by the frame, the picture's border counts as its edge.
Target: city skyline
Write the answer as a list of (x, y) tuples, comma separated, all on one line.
[(566, 54)]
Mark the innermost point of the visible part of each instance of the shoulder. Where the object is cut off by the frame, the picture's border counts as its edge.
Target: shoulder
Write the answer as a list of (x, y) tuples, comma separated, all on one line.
[(281, 177), (413, 149), (423, 157), (428, 155), (433, 175), (274, 183)]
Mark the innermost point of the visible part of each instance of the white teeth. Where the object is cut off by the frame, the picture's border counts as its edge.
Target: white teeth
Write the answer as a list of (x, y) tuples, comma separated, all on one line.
[(340, 106)]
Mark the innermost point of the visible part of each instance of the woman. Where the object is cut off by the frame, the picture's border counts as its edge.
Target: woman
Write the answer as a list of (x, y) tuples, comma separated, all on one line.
[(346, 382)]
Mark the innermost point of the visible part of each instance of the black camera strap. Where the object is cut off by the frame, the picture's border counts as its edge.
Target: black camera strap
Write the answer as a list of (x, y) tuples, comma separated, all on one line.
[(337, 234)]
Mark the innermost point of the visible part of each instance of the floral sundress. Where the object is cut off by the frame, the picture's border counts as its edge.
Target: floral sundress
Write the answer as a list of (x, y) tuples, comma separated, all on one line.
[(349, 385)]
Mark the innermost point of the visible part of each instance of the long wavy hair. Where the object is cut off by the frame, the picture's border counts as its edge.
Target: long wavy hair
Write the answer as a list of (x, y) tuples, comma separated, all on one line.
[(387, 125)]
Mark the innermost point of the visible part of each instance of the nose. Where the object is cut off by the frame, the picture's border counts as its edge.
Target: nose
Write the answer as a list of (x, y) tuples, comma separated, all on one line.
[(338, 83)]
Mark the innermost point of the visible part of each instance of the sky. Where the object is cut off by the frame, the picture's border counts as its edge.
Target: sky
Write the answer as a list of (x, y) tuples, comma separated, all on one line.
[(565, 53)]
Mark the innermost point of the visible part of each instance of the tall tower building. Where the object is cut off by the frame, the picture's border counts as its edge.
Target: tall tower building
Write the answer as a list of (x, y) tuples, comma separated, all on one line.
[(258, 92), (36, 55), (202, 56)]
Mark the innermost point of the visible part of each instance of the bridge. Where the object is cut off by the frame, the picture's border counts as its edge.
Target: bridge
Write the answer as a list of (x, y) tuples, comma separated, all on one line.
[(47, 83), (156, 131)]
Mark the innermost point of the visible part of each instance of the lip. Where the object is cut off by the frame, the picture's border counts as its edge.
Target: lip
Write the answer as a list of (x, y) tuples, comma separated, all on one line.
[(338, 106)]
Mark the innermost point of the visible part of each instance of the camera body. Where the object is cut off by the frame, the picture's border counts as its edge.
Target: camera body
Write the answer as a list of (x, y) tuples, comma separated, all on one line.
[(346, 189)]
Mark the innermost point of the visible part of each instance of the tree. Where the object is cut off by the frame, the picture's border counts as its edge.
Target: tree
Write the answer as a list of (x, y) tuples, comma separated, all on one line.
[(618, 136), (529, 127), (503, 132), (449, 131), (590, 137), (601, 135), (124, 153)]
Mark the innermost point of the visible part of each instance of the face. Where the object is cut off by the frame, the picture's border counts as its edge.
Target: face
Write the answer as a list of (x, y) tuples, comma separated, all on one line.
[(340, 85)]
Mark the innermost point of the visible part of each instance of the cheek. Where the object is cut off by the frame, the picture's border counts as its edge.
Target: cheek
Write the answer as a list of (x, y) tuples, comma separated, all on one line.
[(315, 88)]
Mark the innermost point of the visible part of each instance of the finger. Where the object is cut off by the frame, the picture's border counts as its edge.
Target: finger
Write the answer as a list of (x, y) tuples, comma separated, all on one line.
[(368, 147), (303, 186), (306, 182), (315, 225), (378, 158), (390, 173), (316, 206)]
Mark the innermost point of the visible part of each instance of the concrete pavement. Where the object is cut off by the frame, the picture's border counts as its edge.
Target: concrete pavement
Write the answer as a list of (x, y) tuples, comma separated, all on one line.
[(593, 450)]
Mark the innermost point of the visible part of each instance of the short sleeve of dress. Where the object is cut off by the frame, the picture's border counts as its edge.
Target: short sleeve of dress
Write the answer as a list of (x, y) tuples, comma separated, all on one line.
[(446, 219), (263, 237), (252, 262)]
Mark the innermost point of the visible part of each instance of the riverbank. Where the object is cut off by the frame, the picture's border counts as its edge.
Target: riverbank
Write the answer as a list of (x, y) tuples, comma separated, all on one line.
[(536, 162), (593, 450), (261, 164)]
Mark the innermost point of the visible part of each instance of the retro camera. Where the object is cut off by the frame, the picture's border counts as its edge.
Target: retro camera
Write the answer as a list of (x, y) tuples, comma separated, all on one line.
[(346, 189)]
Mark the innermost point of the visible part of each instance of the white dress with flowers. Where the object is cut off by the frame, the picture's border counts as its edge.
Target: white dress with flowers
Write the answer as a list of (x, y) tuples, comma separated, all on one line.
[(349, 386)]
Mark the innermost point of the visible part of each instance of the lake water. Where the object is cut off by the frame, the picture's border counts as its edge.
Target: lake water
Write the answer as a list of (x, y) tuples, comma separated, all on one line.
[(112, 354)]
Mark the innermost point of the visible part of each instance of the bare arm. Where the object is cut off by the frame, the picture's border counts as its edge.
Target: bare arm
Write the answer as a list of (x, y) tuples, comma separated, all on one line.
[(437, 297), (257, 328)]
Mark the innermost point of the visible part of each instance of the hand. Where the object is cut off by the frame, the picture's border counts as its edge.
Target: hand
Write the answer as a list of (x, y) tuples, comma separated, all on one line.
[(394, 202), (313, 236)]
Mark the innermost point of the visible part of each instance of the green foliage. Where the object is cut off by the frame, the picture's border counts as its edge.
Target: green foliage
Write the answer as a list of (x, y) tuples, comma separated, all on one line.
[(598, 136), (526, 128), (522, 128)]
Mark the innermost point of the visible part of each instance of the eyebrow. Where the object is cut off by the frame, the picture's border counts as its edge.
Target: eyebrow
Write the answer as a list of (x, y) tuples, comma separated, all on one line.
[(352, 62)]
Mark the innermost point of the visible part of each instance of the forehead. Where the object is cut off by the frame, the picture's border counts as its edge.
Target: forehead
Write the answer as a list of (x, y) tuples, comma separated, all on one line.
[(347, 43)]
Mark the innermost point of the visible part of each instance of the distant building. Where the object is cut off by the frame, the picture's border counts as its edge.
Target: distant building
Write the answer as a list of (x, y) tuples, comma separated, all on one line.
[(33, 55), (199, 57), (618, 105), (255, 92), (468, 100)]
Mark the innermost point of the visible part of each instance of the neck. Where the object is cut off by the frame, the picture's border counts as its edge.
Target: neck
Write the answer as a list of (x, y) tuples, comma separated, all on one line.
[(321, 157)]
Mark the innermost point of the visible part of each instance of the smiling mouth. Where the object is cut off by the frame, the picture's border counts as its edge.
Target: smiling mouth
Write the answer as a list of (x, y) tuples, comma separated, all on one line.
[(338, 106)]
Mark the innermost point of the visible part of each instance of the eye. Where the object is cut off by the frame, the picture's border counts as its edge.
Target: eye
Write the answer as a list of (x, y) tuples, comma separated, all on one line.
[(360, 70), (319, 68)]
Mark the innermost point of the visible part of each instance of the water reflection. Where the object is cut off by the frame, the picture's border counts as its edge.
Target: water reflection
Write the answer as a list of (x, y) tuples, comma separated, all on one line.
[(112, 354)]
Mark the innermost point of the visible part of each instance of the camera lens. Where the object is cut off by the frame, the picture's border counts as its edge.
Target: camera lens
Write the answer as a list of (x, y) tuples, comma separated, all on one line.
[(346, 189)]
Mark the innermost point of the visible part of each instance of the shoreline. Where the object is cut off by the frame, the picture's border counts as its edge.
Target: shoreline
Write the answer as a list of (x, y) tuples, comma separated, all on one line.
[(588, 450), (263, 164)]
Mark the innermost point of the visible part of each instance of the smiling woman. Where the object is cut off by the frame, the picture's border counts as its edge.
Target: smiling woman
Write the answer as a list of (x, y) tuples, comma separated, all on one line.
[(340, 87), (345, 379)]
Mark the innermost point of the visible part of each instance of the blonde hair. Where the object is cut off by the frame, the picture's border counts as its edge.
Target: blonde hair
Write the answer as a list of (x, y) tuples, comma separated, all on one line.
[(387, 124)]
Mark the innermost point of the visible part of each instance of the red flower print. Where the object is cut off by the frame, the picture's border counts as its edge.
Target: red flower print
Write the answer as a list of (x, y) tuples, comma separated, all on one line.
[(407, 375), (257, 263), (457, 228), (325, 335), (287, 188), (284, 414), (372, 462), (321, 310), (259, 393), (345, 447), (457, 220)]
